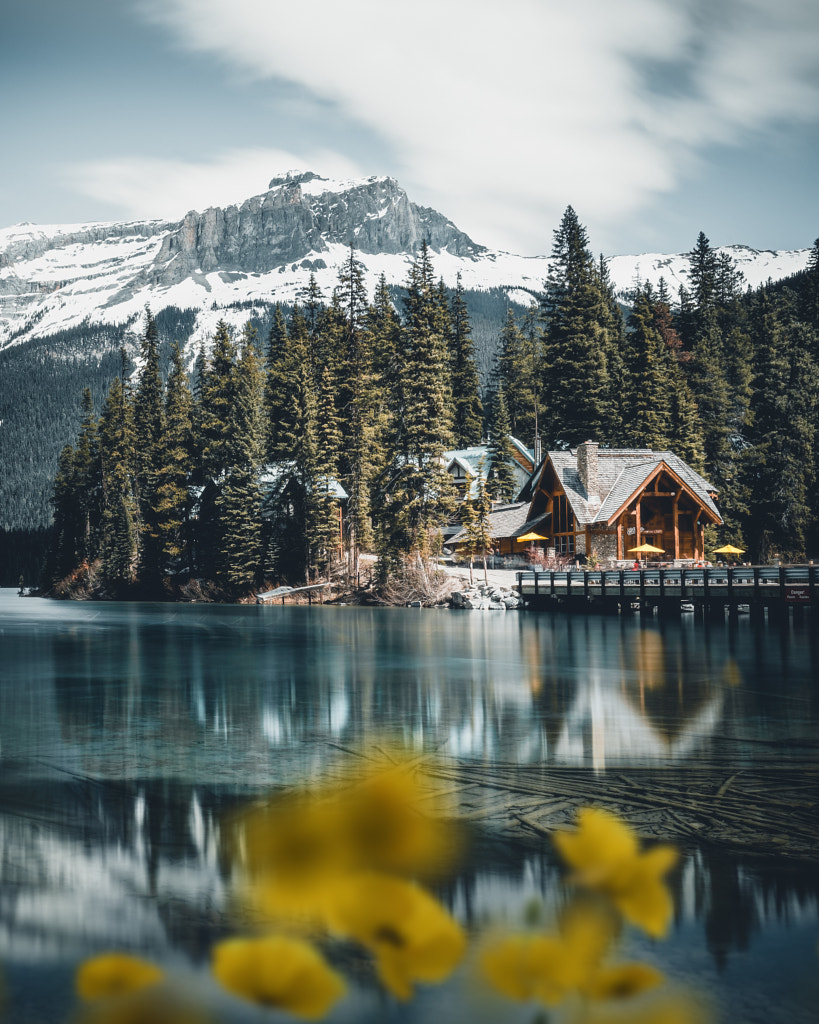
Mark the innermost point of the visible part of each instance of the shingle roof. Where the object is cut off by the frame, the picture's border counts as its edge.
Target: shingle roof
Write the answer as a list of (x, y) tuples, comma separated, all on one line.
[(620, 473), (506, 521)]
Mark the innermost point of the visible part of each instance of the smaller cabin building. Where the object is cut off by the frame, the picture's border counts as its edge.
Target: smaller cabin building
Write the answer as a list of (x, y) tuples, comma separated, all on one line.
[(466, 465)]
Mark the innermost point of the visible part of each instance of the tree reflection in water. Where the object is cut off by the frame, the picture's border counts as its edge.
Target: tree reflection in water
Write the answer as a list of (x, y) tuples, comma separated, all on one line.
[(128, 732)]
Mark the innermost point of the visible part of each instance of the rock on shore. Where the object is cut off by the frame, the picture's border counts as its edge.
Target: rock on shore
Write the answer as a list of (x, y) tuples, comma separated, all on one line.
[(485, 598)]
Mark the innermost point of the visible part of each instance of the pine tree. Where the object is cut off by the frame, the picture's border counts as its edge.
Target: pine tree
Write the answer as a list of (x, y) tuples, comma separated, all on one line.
[(276, 392), (809, 304), (384, 326), (323, 518), (87, 477), (501, 482), (238, 500), (519, 373), (578, 400), (649, 389), (312, 303), (148, 412), (416, 491), (476, 521), (783, 463), (120, 519), (357, 407), (172, 492), (466, 400), (68, 527), (217, 406), (706, 374), (703, 268)]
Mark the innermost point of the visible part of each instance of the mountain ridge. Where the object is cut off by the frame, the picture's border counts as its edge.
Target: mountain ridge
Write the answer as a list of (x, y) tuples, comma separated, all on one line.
[(57, 277)]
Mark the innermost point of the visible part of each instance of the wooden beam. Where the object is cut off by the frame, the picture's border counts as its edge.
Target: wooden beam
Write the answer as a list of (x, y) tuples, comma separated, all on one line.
[(677, 526)]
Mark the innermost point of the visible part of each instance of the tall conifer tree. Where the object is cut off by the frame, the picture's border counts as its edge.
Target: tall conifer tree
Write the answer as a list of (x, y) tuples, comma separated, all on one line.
[(173, 495), (466, 399), (501, 482), (577, 390)]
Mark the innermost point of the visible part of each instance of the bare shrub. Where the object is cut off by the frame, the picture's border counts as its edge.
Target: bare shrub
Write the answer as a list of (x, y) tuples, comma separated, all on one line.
[(419, 579)]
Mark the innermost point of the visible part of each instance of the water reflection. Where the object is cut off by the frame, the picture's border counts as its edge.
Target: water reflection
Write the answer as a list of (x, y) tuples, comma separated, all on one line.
[(123, 691), (143, 866), (127, 731)]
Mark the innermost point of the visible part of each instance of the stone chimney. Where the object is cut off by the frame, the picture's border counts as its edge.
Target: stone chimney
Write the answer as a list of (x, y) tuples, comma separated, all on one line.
[(587, 470)]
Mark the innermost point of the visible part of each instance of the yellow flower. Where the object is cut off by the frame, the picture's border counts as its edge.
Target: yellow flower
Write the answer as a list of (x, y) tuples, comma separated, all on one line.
[(384, 820), (525, 967), (549, 967), (293, 838), (393, 824), (552, 967), (605, 855), (412, 936), (114, 974), (278, 972)]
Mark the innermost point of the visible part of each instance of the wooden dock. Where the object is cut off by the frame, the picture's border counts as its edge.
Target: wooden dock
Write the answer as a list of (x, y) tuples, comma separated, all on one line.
[(759, 590)]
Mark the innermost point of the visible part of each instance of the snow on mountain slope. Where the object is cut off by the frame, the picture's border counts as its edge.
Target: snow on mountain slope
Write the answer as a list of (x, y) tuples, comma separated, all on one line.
[(60, 276), (757, 267)]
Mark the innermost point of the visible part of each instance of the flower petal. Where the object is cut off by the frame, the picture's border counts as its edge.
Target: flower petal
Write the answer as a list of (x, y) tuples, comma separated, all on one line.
[(278, 971), (114, 974)]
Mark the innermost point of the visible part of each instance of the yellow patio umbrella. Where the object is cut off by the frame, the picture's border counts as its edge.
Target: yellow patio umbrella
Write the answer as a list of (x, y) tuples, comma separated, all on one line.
[(646, 548), (531, 536), (729, 549)]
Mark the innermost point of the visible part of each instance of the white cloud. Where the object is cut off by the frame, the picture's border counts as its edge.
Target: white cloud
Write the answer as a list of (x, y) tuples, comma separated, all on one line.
[(501, 115), (148, 187)]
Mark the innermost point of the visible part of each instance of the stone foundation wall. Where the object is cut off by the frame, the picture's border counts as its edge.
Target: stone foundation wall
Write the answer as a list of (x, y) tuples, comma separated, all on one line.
[(604, 544)]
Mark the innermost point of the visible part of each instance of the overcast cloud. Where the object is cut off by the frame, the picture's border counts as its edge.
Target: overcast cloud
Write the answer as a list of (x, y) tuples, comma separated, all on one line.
[(653, 118), (513, 112)]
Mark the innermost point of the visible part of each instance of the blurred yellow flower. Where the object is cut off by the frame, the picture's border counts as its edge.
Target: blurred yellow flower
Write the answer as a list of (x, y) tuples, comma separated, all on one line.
[(412, 936), (525, 967), (605, 855), (278, 972), (114, 974), (302, 904), (549, 967), (394, 824), (292, 838), (552, 967)]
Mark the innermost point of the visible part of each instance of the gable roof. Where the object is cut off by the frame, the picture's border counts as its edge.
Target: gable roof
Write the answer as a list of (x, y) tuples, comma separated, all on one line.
[(620, 472)]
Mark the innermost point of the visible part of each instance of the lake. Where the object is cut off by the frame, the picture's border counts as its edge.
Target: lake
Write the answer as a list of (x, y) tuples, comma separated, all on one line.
[(128, 731)]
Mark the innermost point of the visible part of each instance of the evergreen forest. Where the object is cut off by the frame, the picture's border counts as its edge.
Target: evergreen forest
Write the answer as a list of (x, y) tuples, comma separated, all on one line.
[(231, 476)]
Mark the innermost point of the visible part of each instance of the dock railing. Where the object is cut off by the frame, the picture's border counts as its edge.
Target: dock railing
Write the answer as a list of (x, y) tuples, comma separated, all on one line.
[(794, 584)]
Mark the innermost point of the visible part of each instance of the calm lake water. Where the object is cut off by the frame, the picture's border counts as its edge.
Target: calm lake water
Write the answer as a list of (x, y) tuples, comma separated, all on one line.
[(127, 731)]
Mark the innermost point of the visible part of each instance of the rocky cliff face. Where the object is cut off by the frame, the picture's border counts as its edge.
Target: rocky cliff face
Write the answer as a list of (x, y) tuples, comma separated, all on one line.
[(299, 218)]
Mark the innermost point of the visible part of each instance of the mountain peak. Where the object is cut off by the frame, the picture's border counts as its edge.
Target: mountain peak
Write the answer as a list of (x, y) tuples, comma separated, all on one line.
[(293, 177)]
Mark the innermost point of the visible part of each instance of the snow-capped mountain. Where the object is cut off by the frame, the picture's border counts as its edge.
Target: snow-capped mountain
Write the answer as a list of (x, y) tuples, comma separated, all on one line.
[(58, 277)]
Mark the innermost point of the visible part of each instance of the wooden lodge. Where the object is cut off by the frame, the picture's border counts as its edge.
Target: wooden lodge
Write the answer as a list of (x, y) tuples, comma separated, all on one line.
[(608, 501)]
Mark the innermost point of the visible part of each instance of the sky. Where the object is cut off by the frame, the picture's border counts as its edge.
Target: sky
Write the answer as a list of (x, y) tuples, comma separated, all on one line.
[(653, 119)]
